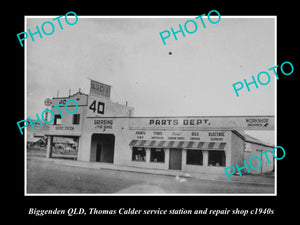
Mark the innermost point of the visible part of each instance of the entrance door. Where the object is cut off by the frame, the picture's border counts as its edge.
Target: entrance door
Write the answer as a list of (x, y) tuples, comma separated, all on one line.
[(102, 148), (98, 153), (175, 159)]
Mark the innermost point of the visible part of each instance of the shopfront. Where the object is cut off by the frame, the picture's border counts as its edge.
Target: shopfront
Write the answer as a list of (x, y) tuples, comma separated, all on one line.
[(188, 144), (107, 132), (181, 150)]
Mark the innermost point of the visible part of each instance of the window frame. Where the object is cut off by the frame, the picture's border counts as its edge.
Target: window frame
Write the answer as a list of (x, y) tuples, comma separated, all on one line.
[(155, 150), (134, 153), (56, 117), (74, 121), (215, 151), (193, 152)]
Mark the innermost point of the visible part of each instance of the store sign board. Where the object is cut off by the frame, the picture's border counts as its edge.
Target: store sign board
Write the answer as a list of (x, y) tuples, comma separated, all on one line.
[(98, 89), (96, 107), (200, 136), (103, 123), (74, 130), (213, 122)]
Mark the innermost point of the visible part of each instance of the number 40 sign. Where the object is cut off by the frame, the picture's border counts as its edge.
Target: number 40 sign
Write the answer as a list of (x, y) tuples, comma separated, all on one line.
[(95, 107)]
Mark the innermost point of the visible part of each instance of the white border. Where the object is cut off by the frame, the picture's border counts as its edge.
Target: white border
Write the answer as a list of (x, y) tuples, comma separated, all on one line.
[(150, 194), (25, 112)]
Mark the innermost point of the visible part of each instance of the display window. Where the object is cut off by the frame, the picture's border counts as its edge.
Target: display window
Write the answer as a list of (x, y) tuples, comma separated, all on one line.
[(138, 154), (216, 158), (194, 157), (157, 155)]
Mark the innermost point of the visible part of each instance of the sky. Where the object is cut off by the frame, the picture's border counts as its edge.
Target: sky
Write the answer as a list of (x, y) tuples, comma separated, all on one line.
[(191, 76)]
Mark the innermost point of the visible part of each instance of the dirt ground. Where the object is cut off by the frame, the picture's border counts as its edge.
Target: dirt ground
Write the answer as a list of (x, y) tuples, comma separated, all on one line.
[(49, 177)]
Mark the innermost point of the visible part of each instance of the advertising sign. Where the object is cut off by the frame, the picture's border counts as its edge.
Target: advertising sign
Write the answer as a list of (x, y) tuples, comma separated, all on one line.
[(96, 107), (208, 136), (98, 89), (208, 122)]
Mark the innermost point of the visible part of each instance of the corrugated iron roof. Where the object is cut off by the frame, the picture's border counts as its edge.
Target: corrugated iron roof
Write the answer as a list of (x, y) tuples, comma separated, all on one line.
[(251, 139)]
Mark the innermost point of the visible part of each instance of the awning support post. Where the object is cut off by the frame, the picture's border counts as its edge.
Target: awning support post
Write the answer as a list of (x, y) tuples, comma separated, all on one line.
[(49, 147)]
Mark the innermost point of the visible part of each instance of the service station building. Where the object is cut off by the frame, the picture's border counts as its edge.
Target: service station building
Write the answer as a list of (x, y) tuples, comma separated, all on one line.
[(107, 132)]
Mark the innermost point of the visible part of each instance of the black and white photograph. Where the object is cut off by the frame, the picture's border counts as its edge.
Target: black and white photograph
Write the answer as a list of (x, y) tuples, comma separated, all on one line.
[(125, 109), (137, 115)]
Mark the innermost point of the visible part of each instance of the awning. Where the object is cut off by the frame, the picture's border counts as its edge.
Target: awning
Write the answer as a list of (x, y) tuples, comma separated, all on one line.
[(178, 144)]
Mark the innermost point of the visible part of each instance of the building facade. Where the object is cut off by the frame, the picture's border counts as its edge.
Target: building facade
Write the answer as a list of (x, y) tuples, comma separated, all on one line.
[(107, 132)]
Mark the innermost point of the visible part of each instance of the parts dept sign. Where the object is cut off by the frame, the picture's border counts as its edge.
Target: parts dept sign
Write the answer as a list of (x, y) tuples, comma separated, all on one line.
[(209, 122)]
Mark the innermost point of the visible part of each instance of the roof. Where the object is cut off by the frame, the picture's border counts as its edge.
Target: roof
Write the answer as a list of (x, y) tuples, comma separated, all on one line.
[(34, 139), (77, 93), (64, 140), (251, 139)]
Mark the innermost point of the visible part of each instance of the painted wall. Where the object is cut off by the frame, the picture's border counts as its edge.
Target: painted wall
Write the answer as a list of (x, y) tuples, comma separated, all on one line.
[(123, 136), (256, 150), (67, 128), (108, 125), (101, 116), (101, 107), (237, 150)]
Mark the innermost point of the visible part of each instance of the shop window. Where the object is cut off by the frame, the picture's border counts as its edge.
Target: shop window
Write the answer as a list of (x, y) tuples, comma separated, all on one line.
[(138, 154), (194, 157), (157, 155), (76, 118), (57, 119), (216, 158)]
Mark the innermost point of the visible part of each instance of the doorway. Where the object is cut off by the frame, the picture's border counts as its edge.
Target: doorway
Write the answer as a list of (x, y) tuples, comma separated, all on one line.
[(98, 153), (175, 159), (102, 148)]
